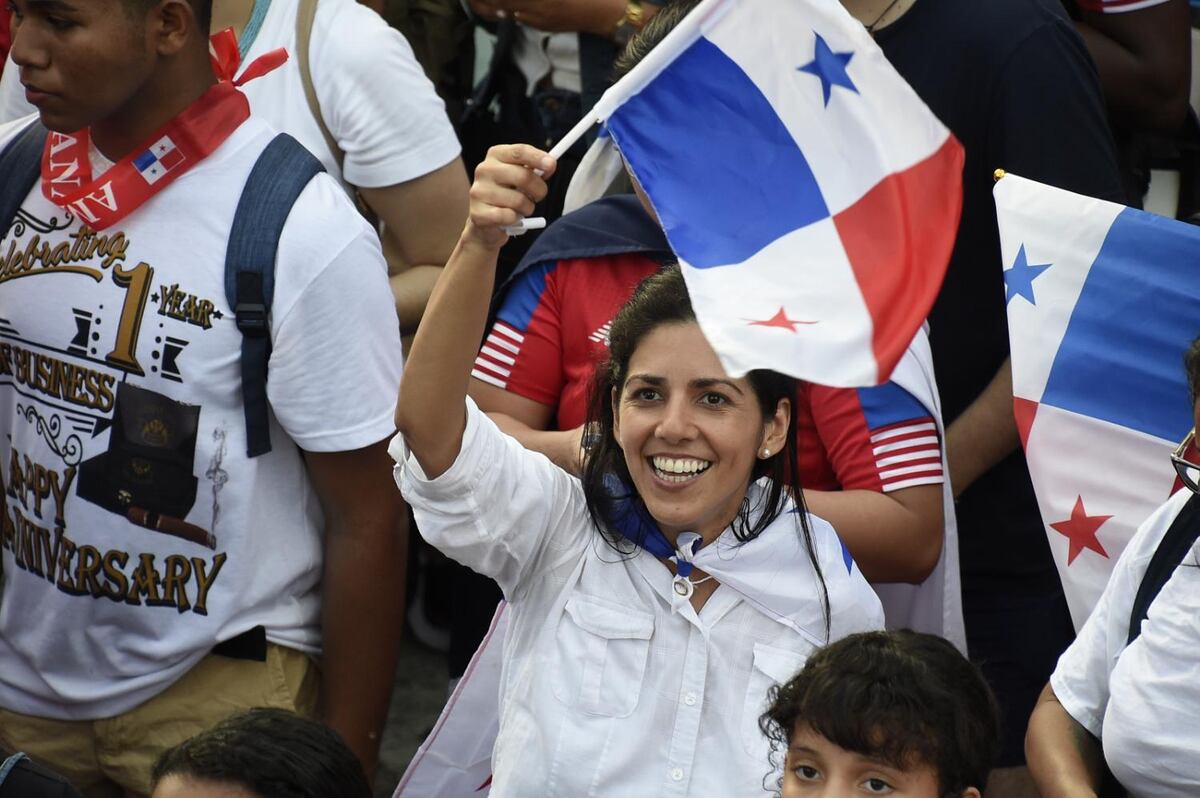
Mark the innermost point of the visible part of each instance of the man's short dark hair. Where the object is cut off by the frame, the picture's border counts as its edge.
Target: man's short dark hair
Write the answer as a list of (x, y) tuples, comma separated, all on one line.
[(271, 752), (906, 698), (650, 36), (201, 8)]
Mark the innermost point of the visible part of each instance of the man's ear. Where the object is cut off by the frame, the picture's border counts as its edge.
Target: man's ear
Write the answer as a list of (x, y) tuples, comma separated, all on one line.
[(171, 24)]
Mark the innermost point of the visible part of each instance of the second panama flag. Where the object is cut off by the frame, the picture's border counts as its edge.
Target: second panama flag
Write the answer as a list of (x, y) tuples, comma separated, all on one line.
[(1103, 301), (811, 196)]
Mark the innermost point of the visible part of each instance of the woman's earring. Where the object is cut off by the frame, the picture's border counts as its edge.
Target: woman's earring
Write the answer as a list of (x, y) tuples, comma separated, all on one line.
[(766, 453)]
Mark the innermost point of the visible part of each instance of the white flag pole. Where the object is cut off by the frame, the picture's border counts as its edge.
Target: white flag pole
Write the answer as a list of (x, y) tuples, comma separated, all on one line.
[(682, 36)]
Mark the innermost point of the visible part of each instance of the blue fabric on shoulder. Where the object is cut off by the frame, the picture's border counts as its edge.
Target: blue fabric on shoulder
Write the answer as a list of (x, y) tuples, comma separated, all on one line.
[(615, 225), (631, 521)]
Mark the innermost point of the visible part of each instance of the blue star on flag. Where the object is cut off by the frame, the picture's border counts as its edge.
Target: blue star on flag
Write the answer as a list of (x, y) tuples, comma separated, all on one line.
[(1019, 279), (830, 67)]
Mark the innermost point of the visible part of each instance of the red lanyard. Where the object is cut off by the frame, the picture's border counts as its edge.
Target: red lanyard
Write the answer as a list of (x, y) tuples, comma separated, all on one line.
[(165, 155)]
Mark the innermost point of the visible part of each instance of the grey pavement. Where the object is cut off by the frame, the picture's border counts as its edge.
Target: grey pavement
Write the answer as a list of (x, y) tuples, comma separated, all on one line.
[(417, 700)]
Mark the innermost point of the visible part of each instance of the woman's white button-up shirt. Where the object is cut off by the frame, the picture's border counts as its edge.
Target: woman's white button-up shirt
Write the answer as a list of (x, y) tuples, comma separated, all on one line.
[(609, 687)]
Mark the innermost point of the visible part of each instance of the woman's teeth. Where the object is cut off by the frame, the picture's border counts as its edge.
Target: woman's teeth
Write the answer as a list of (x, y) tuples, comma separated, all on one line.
[(679, 469)]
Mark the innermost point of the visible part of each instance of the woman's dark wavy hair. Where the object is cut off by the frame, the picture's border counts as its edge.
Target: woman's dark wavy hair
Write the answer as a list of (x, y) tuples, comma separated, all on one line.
[(661, 299), (906, 698), (271, 752)]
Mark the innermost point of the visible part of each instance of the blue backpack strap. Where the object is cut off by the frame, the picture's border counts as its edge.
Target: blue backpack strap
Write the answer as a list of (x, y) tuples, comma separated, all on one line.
[(1169, 555), (7, 765), (20, 167), (281, 173)]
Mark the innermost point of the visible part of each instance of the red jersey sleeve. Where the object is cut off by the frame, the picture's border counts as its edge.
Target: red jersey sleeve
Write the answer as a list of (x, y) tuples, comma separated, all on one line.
[(523, 349), (880, 438)]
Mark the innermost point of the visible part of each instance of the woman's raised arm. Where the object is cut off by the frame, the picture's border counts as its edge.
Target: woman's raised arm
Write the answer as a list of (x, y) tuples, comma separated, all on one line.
[(429, 411)]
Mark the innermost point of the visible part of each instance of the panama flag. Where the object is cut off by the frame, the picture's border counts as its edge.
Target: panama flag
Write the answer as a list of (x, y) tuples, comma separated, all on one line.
[(811, 196), (1103, 300), (160, 158)]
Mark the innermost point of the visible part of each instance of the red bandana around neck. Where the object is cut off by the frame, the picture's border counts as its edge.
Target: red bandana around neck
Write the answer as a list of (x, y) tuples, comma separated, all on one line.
[(166, 154)]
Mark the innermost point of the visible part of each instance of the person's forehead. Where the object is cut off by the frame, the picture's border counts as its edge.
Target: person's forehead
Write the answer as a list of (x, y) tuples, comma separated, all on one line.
[(676, 349), (175, 786), (88, 8)]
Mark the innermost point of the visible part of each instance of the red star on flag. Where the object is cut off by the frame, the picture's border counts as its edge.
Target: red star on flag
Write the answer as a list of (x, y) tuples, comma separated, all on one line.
[(1080, 529), (780, 320)]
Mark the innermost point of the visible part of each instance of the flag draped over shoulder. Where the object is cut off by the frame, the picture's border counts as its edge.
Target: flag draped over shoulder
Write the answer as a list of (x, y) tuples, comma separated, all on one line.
[(1103, 301), (811, 196)]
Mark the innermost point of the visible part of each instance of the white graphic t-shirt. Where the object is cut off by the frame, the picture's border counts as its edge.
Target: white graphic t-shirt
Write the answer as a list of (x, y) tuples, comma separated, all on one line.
[(136, 533)]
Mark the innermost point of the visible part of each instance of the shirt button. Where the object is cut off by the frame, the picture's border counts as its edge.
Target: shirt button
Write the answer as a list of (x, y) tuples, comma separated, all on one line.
[(690, 699), (677, 774)]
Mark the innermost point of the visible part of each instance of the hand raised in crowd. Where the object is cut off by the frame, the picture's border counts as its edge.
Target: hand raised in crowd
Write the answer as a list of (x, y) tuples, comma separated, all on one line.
[(587, 16), (509, 182)]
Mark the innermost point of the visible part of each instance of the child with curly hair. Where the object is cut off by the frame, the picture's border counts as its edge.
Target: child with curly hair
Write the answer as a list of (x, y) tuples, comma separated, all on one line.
[(884, 713)]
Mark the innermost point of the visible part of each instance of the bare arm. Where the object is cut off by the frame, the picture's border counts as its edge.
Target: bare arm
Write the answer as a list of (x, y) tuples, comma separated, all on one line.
[(1144, 58), (362, 594), (575, 16), (429, 411), (1064, 759), (984, 434), (894, 537), (421, 221)]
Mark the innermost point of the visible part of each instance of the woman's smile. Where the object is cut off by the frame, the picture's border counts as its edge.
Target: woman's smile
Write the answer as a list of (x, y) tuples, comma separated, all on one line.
[(678, 469)]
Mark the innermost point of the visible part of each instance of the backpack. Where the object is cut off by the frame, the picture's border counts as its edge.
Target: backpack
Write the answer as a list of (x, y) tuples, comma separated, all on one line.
[(282, 171), (21, 778)]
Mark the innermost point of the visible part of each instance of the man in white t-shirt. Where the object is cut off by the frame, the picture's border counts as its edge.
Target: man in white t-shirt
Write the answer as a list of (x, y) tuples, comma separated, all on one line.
[(1131, 707), (398, 149), (157, 578)]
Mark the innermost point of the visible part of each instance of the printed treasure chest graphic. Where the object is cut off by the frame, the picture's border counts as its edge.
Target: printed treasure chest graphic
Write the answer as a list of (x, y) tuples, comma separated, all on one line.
[(146, 474)]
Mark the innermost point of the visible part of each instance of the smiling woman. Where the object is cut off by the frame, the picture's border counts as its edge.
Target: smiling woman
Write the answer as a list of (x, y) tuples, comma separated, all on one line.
[(653, 602), (686, 436)]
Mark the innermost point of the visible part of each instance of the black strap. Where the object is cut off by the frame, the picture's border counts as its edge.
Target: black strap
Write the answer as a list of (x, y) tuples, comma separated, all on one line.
[(20, 167), (1174, 546), (249, 645), (281, 173)]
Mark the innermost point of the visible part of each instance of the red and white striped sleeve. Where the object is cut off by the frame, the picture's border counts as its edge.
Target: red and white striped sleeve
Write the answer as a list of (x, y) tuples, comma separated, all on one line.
[(498, 355), (879, 438), (907, 454), (522, 351)]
